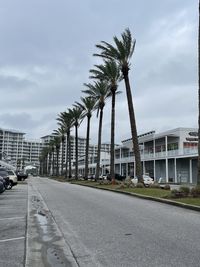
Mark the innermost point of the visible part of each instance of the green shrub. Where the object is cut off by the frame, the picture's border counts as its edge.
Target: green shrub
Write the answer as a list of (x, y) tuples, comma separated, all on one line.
[(185, 190), (139, 185), (174, 193), (167, 187), (154, 185), (195, 191)]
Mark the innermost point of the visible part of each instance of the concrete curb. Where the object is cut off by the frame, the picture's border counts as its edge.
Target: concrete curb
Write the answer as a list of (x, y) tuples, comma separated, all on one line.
[(161, 200)]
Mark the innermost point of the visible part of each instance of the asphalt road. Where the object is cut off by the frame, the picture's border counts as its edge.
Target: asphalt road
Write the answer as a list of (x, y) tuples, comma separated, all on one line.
[(92, 227)]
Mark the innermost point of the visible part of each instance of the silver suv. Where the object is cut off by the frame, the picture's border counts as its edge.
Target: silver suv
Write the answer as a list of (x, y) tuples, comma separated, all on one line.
[(12, 177)]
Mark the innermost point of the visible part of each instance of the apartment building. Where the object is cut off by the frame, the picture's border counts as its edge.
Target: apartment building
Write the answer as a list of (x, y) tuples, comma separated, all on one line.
[(17, 152)]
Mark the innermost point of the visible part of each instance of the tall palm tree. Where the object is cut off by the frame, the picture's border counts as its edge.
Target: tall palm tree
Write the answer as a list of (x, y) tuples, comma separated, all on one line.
[(198, 172), (122, 53), (56, 142), (87, 105), (50, 146), (65, 120), (100, 92), (110, 73), (77, 115), (43, 160), (61, 133)]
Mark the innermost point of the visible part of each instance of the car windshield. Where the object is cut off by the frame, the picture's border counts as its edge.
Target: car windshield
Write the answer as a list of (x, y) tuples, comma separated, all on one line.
[(10, 173)]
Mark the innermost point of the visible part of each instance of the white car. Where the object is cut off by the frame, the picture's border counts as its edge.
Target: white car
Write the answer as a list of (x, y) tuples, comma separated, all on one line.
[(12, 177), (147, 180)]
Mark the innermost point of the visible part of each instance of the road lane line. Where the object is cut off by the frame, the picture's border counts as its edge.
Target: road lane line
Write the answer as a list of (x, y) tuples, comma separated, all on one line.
[(11, 239), (12, 218)]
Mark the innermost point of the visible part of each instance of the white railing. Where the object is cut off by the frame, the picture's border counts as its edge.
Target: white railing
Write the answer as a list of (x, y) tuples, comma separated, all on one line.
[(189, 151)]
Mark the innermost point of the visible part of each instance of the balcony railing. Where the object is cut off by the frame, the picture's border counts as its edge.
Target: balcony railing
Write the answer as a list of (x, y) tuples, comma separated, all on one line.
[(162, 154)]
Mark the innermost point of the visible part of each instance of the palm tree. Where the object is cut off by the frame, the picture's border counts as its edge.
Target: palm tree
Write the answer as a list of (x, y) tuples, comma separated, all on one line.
[(50, 146), (122, 53), (43, 160), (77, 115), (88, 106), (110, 73), (100, 92), (57, 141), (61, 133), (65, 120), (198, 172)]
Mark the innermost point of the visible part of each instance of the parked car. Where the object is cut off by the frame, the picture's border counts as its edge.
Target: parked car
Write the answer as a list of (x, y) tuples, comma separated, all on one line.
[(117, 177), (4, 175), (147, 180), (21, 176), (2, 185), (13, 177)]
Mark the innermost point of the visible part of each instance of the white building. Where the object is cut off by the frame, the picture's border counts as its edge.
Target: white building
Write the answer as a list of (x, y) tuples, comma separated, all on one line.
[(171, 155), (17, 151)]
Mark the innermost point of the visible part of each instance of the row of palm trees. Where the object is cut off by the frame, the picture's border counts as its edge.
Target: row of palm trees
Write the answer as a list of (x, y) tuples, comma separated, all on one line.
[(106, 77)]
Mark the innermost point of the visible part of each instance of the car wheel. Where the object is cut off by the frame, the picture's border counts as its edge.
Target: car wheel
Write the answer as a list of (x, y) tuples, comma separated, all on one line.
[(9, 186)]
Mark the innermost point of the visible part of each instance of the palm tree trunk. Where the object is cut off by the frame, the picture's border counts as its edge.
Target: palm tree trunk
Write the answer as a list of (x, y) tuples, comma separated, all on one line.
[(70, 158), (87, 147), (57, 162), (53, 164), (49, 165), (99, 146), (133, 129), (62, 156), (76, 141), (66, 154), (198, 172), (112, 148)]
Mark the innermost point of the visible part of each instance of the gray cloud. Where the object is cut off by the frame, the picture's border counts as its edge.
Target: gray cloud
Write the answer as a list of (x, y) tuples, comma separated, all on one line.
[(46, 53)]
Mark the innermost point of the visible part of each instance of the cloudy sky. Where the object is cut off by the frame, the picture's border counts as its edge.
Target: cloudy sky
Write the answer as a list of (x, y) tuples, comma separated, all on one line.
[(46, 49)]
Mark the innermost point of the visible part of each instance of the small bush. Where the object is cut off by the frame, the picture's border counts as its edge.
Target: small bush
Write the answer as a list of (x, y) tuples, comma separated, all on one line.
[(139, 185), (174, 193), (195, 191), (166, 187), (154, 185), (185, 190), (121, 186)]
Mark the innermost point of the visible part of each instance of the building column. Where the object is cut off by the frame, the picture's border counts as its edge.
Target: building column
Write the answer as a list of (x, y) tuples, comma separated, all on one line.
[(126, 169), (120, 163), (175, 171), (190, 171), (144, 167), (154, 169)]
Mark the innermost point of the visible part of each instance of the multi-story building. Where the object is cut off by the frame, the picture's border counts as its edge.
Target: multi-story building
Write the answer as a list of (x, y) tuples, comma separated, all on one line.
[(170, 156), (17, 151)]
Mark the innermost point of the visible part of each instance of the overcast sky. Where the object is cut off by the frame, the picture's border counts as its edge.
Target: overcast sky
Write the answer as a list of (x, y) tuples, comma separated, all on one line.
[(46, 49)]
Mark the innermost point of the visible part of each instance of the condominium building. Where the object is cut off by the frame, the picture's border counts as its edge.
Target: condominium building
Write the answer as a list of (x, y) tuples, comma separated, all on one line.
[(18, 152)]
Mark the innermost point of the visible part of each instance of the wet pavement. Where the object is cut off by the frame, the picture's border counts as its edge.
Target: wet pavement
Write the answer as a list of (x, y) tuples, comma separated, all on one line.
[(45, 243)]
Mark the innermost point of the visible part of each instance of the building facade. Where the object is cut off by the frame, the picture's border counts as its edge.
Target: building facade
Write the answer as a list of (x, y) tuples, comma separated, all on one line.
[(170, 156)]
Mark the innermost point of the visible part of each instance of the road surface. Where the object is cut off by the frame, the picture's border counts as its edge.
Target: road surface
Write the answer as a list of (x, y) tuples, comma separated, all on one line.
[(83, 226)]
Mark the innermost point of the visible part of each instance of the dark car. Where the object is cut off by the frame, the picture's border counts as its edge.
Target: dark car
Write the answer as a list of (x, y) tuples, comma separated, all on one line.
[(2, 185), (5, 176), (117, 177), (21, 176)]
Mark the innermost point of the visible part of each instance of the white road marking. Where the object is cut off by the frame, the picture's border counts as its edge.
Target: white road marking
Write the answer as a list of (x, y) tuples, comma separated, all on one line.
[(11, 239)]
